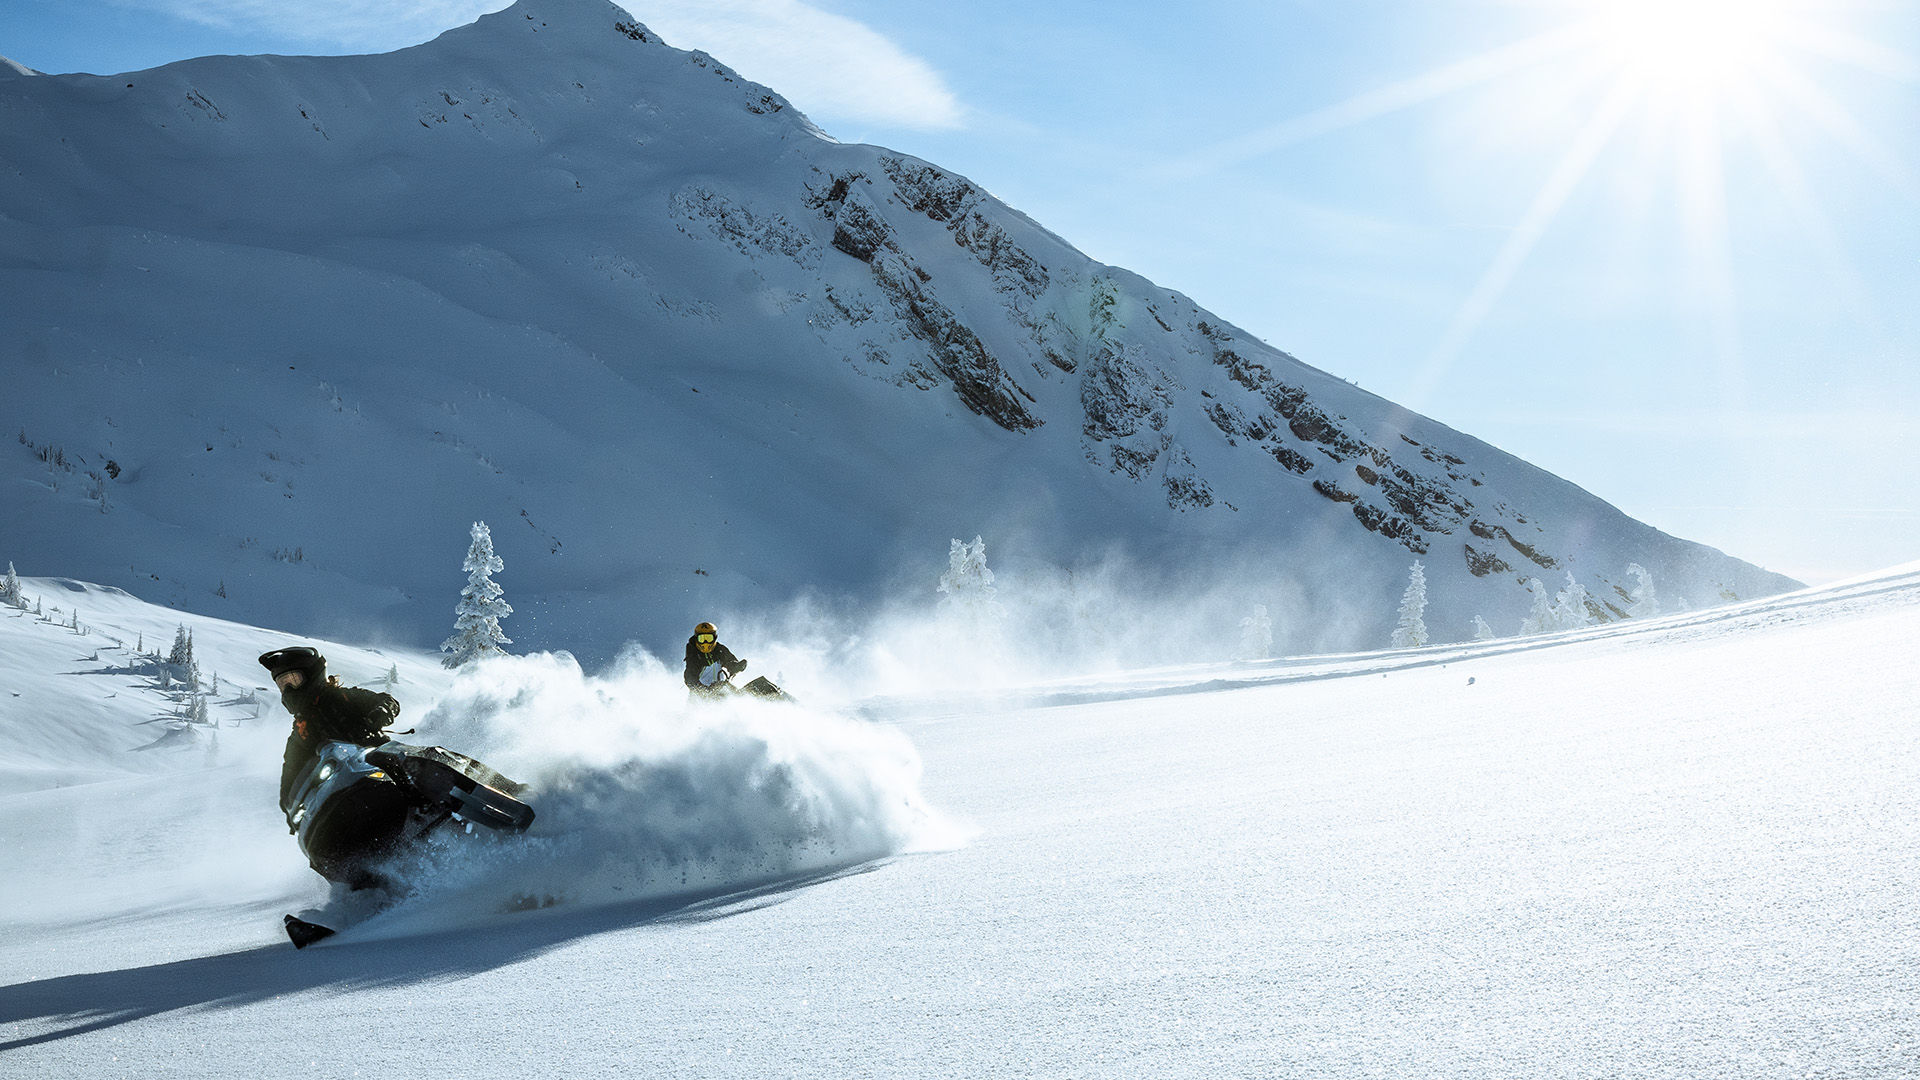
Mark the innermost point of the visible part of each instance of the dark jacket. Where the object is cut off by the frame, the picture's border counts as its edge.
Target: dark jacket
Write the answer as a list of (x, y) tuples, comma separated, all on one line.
[(697, 662), (326, 713)]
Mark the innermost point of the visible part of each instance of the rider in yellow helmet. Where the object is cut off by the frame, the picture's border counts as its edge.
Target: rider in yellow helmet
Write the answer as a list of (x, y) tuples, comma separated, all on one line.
[(709, 663)]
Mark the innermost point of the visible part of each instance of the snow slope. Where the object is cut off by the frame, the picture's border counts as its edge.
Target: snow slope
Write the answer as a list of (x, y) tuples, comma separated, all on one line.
[(281, 328), (1676, 847)]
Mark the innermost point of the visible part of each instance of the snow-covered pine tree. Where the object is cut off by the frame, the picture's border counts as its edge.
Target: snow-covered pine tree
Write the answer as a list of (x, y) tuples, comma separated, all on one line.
[(968, 584), (476, 629), (1570, 606), (1481, 631), (181, 657), (1256, 635), (1646, 603), (393, 678), (1411, 633), (10, 591), (1539, 619)]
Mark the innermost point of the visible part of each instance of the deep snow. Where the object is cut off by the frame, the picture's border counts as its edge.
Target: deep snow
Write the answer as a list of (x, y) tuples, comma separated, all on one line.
[(1682, 847)]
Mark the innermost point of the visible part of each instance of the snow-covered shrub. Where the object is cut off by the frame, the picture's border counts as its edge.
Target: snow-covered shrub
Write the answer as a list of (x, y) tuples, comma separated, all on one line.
[(967, 585), (1570, 610), (1645, 602), (1256, 635), (1481, 631), (1411, 633), (1539, 618), (476, 629)]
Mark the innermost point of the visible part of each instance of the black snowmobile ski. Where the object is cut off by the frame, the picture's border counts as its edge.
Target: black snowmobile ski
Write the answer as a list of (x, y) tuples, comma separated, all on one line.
[(304, 933)]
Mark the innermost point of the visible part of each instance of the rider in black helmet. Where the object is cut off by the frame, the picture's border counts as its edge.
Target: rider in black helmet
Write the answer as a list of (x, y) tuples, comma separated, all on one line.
[(323, 710)]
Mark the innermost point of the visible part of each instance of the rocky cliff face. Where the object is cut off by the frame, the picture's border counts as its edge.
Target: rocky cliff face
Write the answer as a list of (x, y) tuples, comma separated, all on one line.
[(547, 267)]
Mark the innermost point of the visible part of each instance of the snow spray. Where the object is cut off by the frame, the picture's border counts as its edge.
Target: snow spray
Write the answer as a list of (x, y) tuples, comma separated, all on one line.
[(643, 794)]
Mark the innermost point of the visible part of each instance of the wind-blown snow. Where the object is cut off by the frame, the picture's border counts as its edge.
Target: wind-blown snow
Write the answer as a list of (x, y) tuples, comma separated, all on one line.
[(644, 794)]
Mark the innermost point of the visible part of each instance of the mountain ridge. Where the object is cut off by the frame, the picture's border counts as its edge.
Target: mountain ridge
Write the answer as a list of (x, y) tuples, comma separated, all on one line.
[(709, 356)]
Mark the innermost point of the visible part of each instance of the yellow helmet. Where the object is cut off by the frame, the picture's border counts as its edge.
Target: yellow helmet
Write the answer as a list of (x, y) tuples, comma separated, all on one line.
[(705, 637)]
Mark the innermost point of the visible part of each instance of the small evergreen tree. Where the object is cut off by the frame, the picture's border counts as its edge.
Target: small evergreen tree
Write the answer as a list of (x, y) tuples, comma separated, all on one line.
[(1570, 606), (1411, 633), (181, 657), (968, 584), (1256, 635), (476, 628), (1481, 631), (1539, 618), (393, 678), (10, 591), (1646, 603)]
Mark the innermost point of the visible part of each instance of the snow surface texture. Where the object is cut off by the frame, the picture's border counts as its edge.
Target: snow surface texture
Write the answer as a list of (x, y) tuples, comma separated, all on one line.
[(1683, 846), (283, 327)]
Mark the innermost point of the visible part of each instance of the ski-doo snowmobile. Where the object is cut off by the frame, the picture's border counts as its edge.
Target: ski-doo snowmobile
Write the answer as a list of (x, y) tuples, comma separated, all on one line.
[(355, 806), (717, 682)]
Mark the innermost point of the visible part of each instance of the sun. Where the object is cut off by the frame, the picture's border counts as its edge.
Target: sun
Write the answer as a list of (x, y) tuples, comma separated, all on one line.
[(1682, 91), (1691, 51)]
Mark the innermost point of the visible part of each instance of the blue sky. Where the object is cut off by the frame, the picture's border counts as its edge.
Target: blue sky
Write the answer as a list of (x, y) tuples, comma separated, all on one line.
[(1669, 251)]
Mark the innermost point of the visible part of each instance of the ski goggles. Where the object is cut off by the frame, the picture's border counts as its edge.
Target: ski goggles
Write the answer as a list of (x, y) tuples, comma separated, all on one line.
[(704, 639)]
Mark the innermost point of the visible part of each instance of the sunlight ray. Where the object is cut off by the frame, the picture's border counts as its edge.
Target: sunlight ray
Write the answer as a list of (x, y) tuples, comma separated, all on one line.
[(1391, 98), (1832, 117), (1809, 36), (1709, 259), (1792, 181), (1572, 167)]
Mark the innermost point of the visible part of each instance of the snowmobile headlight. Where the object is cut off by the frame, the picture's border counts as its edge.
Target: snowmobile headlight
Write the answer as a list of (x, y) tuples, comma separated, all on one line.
[(326, 770), (376, 775)]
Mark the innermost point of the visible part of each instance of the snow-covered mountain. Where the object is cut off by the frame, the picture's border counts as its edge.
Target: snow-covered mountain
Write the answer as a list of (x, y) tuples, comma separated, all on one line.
[(280, 328)]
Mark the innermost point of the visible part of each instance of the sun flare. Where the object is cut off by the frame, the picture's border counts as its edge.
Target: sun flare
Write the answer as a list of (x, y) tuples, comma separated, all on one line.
[(1689, 49)]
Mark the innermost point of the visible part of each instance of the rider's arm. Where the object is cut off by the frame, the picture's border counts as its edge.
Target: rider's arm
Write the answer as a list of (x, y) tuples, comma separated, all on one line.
[(291, 763)]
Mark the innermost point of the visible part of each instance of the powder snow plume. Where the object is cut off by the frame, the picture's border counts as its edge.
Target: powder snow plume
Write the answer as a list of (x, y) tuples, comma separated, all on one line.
[(641, 793)]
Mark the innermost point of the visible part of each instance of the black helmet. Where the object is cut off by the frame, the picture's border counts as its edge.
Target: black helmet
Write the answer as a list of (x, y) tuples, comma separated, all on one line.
[(300, 658)]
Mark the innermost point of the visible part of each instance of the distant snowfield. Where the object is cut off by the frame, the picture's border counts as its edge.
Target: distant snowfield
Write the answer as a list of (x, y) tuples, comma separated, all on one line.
[(1675, 847)]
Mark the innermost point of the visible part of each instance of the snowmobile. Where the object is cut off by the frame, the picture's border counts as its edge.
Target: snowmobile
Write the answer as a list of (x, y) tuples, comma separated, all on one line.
[(717, 682), (355, 806)]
